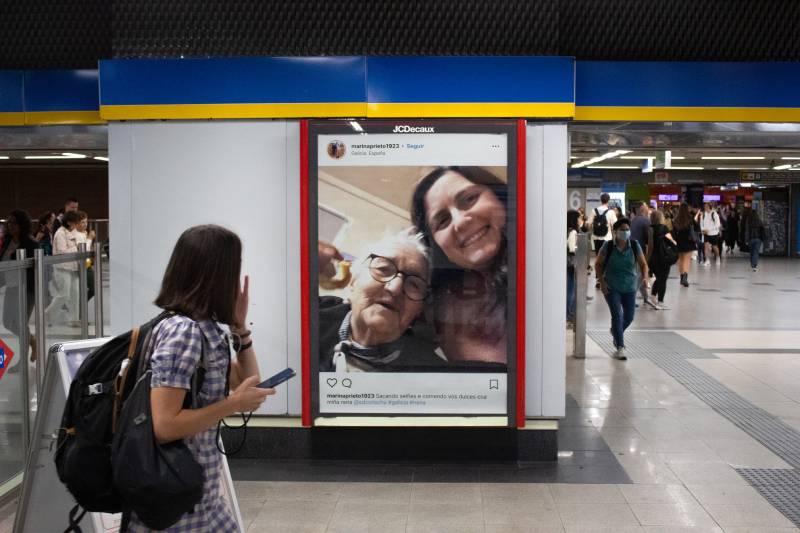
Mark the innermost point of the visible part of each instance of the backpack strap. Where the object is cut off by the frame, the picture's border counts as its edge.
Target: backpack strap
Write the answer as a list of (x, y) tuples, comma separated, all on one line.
[(198, 378), (75, 518), (122, 378)]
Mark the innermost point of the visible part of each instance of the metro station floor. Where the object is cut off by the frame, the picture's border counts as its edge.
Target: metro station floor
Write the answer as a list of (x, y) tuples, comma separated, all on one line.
[(699, 431)]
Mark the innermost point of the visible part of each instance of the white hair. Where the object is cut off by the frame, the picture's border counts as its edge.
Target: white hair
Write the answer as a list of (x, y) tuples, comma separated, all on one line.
[(407, 239)]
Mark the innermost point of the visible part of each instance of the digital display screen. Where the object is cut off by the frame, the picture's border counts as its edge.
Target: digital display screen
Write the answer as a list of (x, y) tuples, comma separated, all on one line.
[(667, 197), (414, 280)]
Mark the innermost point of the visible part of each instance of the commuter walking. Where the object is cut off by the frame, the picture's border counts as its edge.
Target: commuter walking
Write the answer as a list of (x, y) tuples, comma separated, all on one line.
[(18, 237), (731, 232), (574, 224), (70, 205), (44, 233), (616, 269), (753, 234), (710, 226), (700, 246), (685, 236), (640, 232), (64, 285), (660, 256), (602, 220), (201, 286)]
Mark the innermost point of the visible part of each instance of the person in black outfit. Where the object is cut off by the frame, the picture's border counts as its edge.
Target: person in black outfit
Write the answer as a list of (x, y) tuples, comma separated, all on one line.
[(371, 332), (656, 263), (18, 237), (683, 228)]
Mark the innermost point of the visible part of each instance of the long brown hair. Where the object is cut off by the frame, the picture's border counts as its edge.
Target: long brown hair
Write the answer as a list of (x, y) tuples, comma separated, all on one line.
[(684, 218), (202, 277)]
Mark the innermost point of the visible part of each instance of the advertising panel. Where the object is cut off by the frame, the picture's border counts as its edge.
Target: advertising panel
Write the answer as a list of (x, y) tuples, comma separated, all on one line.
[(413, 279)]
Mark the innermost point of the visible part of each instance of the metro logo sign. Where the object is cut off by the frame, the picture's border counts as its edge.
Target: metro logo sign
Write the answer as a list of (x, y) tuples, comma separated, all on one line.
[(5, 357)]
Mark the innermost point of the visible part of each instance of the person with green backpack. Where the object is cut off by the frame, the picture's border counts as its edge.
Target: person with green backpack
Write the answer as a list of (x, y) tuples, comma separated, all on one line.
[(616, 269)]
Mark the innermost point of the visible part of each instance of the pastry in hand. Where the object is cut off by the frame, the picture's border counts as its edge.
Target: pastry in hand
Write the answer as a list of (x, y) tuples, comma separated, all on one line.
[(340, 280)]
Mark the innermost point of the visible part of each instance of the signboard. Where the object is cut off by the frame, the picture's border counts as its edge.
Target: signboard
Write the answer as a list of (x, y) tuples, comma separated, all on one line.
[(6, 355), (411, 300), (667, 197), (662, 177), (771, 178)]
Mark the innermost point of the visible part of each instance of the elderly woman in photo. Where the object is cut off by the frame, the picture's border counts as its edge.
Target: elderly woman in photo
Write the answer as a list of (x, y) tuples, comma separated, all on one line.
[(370, 331), (461, 211)]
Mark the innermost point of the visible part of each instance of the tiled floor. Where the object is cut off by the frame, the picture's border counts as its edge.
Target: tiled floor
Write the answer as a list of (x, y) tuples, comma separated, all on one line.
[(639, 451)]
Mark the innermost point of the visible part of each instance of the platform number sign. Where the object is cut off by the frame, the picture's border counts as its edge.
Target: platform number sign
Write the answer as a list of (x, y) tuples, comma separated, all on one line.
[(5, 357)]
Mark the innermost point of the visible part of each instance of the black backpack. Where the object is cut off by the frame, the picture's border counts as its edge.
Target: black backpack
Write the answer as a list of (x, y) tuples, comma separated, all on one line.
[(600, 223), (100, 387), (667, 252)]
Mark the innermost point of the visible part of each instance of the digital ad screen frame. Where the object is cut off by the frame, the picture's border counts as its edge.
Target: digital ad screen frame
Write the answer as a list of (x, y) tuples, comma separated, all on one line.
[(377, 162)]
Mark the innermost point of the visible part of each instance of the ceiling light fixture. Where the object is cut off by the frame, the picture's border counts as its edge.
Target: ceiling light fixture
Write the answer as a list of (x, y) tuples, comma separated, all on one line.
[(729, 157), (100, 158), (356, 126), (782, 167), (791, 158), (599, 158), (64, 155), (742, 168), (4, 157), (638, 157), (684, 168), (609, 167)]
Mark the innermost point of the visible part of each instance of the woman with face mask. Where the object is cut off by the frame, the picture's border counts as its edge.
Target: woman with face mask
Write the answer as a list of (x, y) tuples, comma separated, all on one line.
[(616, 269)]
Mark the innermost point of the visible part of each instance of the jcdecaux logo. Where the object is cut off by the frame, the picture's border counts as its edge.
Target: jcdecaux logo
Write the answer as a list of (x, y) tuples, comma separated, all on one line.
[(413, 129)]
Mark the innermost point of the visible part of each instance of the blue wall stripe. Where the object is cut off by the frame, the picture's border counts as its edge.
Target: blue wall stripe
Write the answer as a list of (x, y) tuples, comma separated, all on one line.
[(687, 84), (470, 79), (61, 90), (243, 80), (11, 91)]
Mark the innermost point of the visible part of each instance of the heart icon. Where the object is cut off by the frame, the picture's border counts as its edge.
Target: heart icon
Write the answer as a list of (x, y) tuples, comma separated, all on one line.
[(331, 382)]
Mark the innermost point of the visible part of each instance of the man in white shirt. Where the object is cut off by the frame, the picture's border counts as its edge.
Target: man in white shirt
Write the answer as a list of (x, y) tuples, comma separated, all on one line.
[(710, 225), (604, 212)]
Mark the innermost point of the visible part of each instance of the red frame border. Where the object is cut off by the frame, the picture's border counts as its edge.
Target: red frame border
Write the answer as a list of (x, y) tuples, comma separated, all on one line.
[(305, 311), (521, 144), (305, 286)]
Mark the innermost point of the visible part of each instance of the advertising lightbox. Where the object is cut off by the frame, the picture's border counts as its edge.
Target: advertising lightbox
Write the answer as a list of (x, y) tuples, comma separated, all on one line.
[(413, 279)]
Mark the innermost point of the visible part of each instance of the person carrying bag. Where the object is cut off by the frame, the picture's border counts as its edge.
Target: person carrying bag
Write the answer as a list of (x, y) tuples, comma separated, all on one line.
[(164, 439)]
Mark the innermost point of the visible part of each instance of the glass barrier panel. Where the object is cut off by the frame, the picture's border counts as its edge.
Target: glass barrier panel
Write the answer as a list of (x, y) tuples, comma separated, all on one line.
[(12, 408)]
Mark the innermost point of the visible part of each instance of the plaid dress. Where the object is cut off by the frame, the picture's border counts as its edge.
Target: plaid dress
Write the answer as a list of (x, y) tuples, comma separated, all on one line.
[(176, 354)]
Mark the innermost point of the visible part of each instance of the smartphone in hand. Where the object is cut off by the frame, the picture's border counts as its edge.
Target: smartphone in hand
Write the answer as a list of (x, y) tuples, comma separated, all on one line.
[(277, 379)]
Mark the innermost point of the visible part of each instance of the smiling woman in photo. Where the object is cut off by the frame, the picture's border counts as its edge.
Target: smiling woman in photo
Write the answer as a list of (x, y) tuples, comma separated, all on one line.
[(461, 211)]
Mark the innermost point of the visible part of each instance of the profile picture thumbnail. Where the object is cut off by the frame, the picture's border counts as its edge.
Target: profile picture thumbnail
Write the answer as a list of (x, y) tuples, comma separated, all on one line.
[(336, 149)]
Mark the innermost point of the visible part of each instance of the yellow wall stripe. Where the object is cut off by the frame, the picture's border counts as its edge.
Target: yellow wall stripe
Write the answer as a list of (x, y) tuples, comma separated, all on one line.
[(688, 114), (222, 111), (12, 119), (489, 109), (63, 117)]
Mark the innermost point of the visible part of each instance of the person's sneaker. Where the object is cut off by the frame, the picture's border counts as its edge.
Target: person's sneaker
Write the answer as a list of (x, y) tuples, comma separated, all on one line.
[(662, 306), (706, 263), (619, 355), (652, 304), (755, 269)]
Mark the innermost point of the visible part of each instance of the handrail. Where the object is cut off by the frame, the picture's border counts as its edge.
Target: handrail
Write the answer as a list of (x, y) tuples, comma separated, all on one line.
[(16, 264), (66, 258)]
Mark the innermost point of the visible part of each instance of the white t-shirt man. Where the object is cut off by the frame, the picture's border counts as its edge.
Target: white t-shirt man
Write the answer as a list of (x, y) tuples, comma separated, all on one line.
[(611, 219), (710, 223)]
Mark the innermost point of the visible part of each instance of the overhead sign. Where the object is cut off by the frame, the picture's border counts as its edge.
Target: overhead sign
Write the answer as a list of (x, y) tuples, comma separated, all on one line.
[(5, 357), (773, 178), (662, 177)]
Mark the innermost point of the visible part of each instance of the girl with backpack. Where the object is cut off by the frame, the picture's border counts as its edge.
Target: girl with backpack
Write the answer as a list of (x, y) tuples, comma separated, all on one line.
[(201, 286), (662, 253), (616, 269)]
